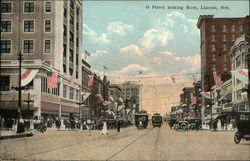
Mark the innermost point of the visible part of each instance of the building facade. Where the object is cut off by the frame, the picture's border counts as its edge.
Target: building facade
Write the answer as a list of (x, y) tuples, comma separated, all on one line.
[(48, 34), (217, 35), (239, 52)]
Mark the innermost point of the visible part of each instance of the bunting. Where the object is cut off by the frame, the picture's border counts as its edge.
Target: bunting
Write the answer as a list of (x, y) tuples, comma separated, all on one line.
[(27, 75), (91, 80), (241, 74), (85, 95), (207, 95), (52, 79), (217, 79), (105, 103), (100, 97)]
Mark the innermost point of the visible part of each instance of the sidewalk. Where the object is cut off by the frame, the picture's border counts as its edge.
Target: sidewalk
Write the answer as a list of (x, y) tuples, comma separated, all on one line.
[(10, 134)]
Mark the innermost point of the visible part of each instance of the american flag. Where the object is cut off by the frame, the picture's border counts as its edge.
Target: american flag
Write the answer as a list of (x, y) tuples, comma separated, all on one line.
[(85, 95), (217, 79), (52, 79), (90, 81), (100, 97), (173, 79), (73, 78)]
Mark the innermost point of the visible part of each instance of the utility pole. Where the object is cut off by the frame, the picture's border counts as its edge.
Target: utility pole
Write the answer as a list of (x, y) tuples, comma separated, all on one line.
[(19, 89)]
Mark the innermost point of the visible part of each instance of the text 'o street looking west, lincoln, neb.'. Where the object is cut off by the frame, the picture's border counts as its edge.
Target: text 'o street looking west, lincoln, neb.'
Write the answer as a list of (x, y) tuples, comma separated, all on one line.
[(174, 7)]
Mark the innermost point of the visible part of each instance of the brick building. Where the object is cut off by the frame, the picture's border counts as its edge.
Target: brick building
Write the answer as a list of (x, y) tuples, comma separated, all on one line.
[(217, 35), (49, 36)]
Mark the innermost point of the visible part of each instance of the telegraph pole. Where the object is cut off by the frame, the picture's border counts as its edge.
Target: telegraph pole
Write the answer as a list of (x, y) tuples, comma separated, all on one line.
[(19, 88)]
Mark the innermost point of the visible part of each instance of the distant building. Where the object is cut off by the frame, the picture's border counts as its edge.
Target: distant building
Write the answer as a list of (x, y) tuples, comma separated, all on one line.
[(197, 95), (115, 93), (217, 35), (185, 101), (49, 36)]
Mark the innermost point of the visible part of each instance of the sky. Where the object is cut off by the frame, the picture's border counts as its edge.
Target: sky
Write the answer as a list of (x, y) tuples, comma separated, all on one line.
[(132, 36)]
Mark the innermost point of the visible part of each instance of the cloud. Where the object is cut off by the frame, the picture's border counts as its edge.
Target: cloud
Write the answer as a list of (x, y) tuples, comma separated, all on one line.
[(194, 63), (157, 60), (119, 28), (99, 53), (132, 68), (131, 50), (167, 53), (93, 35), (153, 37)]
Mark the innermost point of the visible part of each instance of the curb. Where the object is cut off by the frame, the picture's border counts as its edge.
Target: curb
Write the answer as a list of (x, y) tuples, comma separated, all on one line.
[(29, 134)]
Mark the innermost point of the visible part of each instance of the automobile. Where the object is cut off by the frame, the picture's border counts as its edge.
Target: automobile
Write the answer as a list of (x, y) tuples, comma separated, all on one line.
[(194, 123), (242, 122)]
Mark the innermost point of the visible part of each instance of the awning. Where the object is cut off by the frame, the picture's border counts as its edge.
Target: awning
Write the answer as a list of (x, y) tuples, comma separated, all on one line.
[(27, 76)]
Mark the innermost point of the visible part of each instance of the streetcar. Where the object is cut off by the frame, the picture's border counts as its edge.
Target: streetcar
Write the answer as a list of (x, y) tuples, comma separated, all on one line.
[(157, 120), (142, 117)]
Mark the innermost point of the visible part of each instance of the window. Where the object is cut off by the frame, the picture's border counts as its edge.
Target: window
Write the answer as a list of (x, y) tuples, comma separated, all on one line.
[(64, 30), (71, 93), (224, 47), (76, 74), (77, 59), (77, 11), (28, 46), (64, 50), (238, 61), (29, 7), (225, 66), (224, 38), (213, 38), (47, 27), (4, 83), (233, 28), (72, 4), (70, 71), (77, 42), (64, 68), (47, 6), (71, 37), (47, 46), (71, 20), (6, 26), (213, 28), (6, 8), (29, 26), (5, 46), (77, 94), (241, 27), (233, 37), (225, 58), (213, 47), (213, 67), (64, 91), (213, 57), (238, 94), (71, 55), (65, 12), (224, 28), (77, 26)]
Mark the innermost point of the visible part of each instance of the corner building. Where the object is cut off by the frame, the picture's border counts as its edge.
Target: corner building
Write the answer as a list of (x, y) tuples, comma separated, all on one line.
[(217, 35), (48, 35)]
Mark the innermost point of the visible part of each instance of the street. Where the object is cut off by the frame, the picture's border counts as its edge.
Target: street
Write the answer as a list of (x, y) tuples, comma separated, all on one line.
[(130, 144)]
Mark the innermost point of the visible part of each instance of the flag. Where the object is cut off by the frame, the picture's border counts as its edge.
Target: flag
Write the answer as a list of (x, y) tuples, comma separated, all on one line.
[(52, 79), (120, 99), (140, 72), (85, 95), (73, 78), (100, 97), (87, 53), (105, 67), (194, 100), (241, 74), (173, 79), (91, 80), (27, 75), (207, 95), (217, 79), (106, 103), (111, 99)]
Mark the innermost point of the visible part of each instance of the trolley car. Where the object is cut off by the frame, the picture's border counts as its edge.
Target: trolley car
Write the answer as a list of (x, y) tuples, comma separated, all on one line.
[(143, 117), (157, 120)]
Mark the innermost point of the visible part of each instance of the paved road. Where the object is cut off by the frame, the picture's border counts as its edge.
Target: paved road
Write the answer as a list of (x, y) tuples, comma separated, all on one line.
[(130, 144)]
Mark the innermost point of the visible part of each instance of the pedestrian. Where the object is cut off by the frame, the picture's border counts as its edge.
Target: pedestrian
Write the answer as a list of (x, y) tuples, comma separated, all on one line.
[(118, 125), (104, 128)]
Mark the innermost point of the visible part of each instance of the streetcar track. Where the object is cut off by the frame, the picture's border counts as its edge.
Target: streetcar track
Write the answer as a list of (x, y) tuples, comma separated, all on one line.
[(154, 151), (140, 137), (65, 147)]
